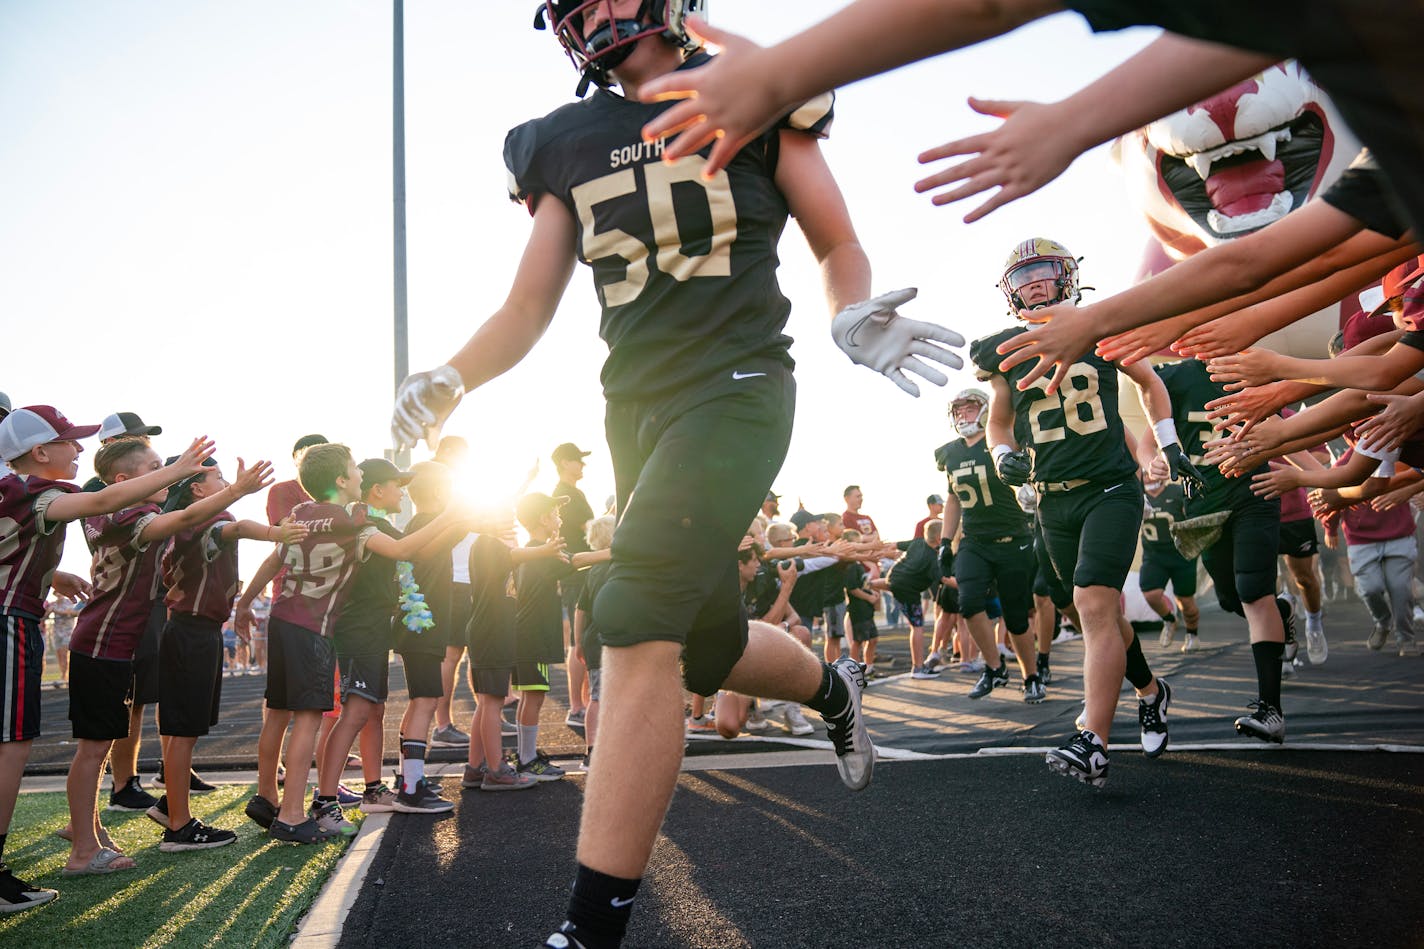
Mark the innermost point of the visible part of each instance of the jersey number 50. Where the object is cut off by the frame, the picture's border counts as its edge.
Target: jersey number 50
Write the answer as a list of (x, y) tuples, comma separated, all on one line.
[(1077, 401), (659, 179)]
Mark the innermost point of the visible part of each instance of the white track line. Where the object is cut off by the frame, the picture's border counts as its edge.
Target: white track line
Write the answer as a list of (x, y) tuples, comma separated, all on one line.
[(321, 927)]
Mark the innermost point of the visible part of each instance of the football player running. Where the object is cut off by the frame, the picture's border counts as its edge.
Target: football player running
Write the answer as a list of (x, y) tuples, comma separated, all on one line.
[(995, 549), (1163, 563), (1072, 447), (700, 399)]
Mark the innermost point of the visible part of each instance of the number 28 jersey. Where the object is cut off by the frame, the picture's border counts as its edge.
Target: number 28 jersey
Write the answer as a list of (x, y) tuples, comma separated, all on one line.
[(988, 507), (1074, 434), (320, 566), (685, 268)]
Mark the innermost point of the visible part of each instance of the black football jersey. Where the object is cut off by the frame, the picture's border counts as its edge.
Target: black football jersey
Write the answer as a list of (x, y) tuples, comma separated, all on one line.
[(1158, 515), (685, 268), (988, 507), (1190, 386), (1076, 433)]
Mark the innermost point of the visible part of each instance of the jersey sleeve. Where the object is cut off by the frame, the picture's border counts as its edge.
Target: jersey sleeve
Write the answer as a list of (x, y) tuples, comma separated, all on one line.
[(986, 360), (521, 153), (814, 116), (1364, 194), (941, 456), (42, 502)]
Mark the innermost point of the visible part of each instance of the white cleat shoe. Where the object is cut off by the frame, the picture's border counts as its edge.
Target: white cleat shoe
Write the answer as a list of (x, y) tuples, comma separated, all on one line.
[(855, 754)]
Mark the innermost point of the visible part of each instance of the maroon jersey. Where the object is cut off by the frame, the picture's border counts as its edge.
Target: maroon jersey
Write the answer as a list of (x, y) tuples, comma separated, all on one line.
[(282, 499), (125, 578), (200, 570), (317, 570), (30, 546)]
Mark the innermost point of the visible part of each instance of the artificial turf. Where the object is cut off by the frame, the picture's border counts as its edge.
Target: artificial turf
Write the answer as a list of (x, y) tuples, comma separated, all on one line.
[(249, 893)]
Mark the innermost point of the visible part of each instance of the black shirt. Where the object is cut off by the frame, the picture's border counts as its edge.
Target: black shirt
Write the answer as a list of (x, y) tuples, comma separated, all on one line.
[(594, 578), (988, 507), (855, 579), (435, 575), (538, 612), (915, 572), (1159, 513), (1363, 193), (364, 627), (1190, 386), (490, 634), (575, 514)]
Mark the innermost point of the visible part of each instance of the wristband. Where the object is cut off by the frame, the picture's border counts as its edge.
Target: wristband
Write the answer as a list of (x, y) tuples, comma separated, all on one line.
[(999, 451), (1166, 433)]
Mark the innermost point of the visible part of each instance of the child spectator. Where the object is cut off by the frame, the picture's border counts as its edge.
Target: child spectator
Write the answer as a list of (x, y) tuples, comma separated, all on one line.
[(63, 611), (860, 609), (917, 570), (538, 628)]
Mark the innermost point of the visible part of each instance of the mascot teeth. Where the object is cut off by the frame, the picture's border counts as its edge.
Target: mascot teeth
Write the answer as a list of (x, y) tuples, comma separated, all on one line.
[(1228, 224), (1264, 143)]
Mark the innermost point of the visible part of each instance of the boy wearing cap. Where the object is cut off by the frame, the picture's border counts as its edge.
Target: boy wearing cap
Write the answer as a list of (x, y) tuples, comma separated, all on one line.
[(201, 573), (577, 514), (41, 448), (538, 627), (316, 581)]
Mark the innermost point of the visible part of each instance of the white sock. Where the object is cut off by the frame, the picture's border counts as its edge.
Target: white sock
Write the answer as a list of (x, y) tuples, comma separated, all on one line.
[(1313, 620), (528, 741), (412, 770)]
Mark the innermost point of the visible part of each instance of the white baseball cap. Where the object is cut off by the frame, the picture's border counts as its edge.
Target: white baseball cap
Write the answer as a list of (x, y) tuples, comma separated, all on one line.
[(35, 425)]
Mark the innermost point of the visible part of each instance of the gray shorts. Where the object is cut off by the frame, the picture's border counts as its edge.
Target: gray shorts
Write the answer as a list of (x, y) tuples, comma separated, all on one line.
[(595, 684)]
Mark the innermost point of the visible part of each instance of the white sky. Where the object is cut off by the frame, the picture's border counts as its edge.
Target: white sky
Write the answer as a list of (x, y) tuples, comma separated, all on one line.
[(197, 227)]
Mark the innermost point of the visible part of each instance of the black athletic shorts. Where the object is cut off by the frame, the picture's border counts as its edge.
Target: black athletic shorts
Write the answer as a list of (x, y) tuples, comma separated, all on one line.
[(21, 669), (145, 659), (863, 630), (99, 697), (530, 677), (190, 657), (366, 676), (301, 668), (489, 680), (1004, 564), (1299, 538), (570, 588), (1242, 562), (1159, 569), (947, 599), (422, 675), (1091, 532), (1045, 581), (457, 624), (691, 469)]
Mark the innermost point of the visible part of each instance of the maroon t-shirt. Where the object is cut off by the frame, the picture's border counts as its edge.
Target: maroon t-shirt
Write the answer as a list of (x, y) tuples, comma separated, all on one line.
[(1364, 525), (282, 497), (859, 522), (30, 545), (920, 527), (317, 570), (125, 578), (201, 570)]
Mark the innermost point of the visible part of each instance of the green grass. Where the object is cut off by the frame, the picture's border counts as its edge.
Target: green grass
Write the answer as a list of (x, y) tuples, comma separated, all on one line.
[(249, 893)]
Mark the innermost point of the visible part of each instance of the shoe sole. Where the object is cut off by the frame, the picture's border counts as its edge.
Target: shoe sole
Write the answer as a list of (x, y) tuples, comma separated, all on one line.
[(131, 810), (179, 848), (449, 744), (1260, 736), (858, 734), (1065, 768), (507, 787), (544, 778), (376, 808), (1157, 753), (31, 901), (409, 809), (1035, 700)]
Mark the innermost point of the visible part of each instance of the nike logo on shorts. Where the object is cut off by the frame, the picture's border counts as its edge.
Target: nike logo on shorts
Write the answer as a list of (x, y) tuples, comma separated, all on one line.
[(619, 904), (1113, 488), (746, 375)]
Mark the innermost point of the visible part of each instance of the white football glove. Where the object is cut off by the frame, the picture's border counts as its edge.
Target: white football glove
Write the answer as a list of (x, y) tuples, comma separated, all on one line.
[(873, 334), (423, 402)]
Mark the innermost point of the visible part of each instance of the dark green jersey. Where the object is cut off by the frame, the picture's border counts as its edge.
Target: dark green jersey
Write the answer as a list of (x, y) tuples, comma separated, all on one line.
[(685, 268), (1159, 513), (1190, 386), (1074, 434), (988, 507)]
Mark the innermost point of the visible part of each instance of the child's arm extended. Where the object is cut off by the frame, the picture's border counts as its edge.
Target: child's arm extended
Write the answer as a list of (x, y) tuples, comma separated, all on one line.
[(116, 497), (410, 546), (587, 558), (1271, 484), (287, 532), (248, 481)]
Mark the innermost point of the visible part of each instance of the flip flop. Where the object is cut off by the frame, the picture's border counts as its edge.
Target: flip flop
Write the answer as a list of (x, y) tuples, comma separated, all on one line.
[(103, 862), (64, 833)]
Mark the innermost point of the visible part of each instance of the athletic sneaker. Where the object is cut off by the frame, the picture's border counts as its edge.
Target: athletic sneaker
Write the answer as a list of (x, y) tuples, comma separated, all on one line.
[(1084, 758), (855, 755), (262, 811), (307, 832), (575, 719), (196, 785), (158, 813), (378, 800), (1377, 637), (933, 662), (1408, 647), (195, 835), (329, 818), (701, 725), (1152, 716), (757, 722), (1287, 610), (17, 896), (423, 800), (991, 679), (1045, 674), (1316, 648), (1033, 690), (1169, 632), (1190, 644), (923, 672), (794, 721), (506, 779), (1266, 723), (972, 667), (564, 939), (541, 769), (448, 736), (347, 797), (472, 777), (131, 797)]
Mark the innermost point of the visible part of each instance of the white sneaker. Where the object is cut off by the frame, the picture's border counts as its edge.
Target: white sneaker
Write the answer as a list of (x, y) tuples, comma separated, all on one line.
[(972, 667), (757, 722), (1316, 648), (794, 721), (1169, 633), (1190, 644)]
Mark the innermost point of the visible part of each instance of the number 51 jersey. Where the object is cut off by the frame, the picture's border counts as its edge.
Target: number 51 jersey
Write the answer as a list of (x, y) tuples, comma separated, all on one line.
[(685, 268), (1074, 434), (988, 507)]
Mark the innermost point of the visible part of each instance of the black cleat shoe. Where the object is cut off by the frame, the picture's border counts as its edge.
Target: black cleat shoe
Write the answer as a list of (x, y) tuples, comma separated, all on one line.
[(1266, 723), (195, 835), (991, 679), (1045, 674), (1287, 609), (131, 797), (1153, 719), (565, 938), (262, 811), (855, 753), (1033, 691), (1084, 758)]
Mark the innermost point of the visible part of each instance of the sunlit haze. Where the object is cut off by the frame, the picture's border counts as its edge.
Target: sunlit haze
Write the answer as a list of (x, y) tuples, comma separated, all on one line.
[(197, 228)]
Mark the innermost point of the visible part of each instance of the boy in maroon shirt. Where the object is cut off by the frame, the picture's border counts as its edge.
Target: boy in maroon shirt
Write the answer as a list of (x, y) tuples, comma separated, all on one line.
[(40, 446), (200, 570)]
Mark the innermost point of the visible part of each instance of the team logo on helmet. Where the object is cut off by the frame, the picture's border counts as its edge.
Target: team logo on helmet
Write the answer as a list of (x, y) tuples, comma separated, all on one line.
[(966, 424), (595, 55), (1035, 260)]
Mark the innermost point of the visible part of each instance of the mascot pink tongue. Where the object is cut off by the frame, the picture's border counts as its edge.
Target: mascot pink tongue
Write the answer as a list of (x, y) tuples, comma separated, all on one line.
[(1246, 189)]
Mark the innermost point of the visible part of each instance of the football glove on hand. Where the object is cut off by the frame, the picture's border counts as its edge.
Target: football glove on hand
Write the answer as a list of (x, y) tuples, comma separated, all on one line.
[(872, 334), (1180, 468), (1014, 468), (423, 402)]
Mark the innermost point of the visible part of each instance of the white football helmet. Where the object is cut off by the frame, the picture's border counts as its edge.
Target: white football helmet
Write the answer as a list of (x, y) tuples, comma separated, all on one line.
[(964, 423)]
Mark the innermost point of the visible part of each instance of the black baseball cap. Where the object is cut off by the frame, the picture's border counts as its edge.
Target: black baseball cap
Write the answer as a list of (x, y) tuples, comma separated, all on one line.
[(568, 451), (126, 423), (180, 495), (803, 517), (376, 471), (934, 499), (772, 496), (532, 508)]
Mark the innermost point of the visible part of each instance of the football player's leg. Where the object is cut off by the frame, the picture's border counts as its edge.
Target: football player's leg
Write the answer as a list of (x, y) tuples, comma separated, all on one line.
[(1257, 525), (1015, 583)]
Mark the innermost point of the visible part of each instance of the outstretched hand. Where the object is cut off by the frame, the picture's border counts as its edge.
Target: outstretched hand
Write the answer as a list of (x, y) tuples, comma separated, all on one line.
[(1402, 416), (1223, 336), (1063, 334), (423, 402), (254, 479), (1140, 342), (1242, 410), (1026, 152), (1250, 367), (191, 461), (872, 334)]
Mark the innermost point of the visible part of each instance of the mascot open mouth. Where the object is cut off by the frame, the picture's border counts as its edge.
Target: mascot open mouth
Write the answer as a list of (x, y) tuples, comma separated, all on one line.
[(1244, 158)]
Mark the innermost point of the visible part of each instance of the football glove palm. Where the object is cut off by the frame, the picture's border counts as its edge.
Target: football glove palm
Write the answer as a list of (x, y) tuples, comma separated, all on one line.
[(1014, 468), (872, 334), (423, 402)]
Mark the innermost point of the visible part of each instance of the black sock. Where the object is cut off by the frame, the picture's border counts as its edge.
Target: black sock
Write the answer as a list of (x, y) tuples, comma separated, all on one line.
[(371, 786), (599, 908), (323, 799), (1043, 660), (2, 850), (1268, 670), (1191, 630), (1139, 673), (1169, 617), (412, 749), (832, 698)]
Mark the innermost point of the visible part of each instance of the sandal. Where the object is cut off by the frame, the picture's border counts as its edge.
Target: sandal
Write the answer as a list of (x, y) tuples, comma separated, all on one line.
[(102, 862)]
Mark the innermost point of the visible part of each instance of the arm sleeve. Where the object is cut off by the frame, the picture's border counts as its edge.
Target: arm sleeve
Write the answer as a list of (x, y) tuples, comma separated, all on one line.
[(1363, 193), (521, 150), (814, 116)]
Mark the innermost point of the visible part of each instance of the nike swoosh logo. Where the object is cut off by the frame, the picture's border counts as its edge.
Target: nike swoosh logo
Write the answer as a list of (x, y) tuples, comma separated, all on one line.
[(1024, 547), (1113, 488), (619, 904), (746, 375)]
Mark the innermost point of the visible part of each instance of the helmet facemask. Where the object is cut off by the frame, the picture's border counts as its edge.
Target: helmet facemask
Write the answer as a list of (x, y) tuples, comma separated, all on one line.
[(966, 424), (1040, 260), (596, 56)]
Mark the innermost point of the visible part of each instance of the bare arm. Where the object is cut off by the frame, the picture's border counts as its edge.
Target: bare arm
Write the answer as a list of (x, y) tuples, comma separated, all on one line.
[(1000, 428), (116, 497), (1369, 373), (815, 200), (410, 546), (587, 558), (953, 513)]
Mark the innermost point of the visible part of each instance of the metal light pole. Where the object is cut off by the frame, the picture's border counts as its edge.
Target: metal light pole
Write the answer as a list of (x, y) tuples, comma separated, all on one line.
[(402, 347)]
